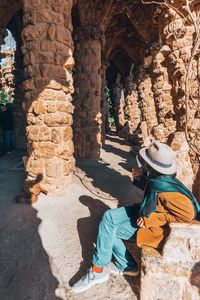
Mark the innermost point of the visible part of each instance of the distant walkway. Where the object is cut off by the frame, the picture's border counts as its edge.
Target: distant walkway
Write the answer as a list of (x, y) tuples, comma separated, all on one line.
[(46, 248)]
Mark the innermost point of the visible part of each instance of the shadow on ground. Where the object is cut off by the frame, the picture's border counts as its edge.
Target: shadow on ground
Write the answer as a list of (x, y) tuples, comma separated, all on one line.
[(24, 265), (87, 229)]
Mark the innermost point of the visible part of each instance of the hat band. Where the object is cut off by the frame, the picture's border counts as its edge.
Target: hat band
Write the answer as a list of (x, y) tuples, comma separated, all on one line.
[(157, 162)]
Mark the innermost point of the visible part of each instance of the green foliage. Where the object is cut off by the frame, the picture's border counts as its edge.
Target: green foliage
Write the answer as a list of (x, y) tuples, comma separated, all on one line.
[(110, 107), (5, 98)]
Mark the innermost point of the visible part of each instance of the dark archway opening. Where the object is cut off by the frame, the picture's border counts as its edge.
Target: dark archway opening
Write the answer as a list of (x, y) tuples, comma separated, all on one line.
[(12, 77)]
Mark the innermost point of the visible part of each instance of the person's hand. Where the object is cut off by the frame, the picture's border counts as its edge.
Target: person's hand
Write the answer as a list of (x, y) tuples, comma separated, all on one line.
[(136, 173), (140, 222)]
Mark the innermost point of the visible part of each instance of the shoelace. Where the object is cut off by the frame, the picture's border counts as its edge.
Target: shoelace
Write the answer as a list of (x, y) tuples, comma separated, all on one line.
[(88, 276)]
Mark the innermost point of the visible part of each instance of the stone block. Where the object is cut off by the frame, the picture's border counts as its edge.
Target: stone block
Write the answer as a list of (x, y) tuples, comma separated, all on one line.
[(44, 149), (31, 33), (65, 107), (54, 168), (58, 119), (35, 166), (50, 107), (51, 32), (60, 96), (47, 94), (45, 45), (38, 108), (176, 273), (67, 134), (44, 134), (69, 166), (33, 133), (56, 135), (181, 149), (66, 150)]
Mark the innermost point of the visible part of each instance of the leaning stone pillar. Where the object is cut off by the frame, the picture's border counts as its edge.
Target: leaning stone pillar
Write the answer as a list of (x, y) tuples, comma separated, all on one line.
[(48, 62), (87, 98)]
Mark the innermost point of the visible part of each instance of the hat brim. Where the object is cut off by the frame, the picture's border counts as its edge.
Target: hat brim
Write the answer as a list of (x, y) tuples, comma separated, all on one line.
[(163, 170)]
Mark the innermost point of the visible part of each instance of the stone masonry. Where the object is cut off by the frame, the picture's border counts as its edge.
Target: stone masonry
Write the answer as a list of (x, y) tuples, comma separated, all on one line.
[(87, 97), (48, 85), (176, 273)]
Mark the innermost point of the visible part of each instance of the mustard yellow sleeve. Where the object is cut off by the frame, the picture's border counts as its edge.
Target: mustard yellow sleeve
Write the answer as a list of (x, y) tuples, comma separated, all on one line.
[(171, 207), (157, 219), (178, 207)]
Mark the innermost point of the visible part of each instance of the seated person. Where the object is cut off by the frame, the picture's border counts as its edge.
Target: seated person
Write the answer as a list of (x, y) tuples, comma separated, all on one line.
[(165, 200)]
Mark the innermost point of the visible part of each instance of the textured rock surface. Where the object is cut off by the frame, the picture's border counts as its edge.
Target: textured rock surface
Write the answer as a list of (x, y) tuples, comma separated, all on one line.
[(141, 52), (175, 273), (48, 86)]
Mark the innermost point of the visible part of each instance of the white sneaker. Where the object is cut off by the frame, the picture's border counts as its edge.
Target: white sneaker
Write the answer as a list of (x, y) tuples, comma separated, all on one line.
[(89, 279), (113, 269)]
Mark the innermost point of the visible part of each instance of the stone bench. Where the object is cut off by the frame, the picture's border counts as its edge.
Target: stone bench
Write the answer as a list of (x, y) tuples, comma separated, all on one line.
[(174, 275)]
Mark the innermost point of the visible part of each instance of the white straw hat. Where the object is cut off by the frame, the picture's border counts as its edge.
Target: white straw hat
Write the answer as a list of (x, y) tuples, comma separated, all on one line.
[(160, 157)]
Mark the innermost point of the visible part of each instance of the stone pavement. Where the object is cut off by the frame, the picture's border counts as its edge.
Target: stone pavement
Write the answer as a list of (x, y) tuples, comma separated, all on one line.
[(47, 247)]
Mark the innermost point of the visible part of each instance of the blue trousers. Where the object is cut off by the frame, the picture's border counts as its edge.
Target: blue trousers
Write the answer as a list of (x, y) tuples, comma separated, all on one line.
[(8, 141), (116, 225)]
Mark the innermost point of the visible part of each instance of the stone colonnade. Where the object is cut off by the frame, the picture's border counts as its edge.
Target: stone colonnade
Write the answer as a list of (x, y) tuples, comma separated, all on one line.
[(87, 97), (154, 101), (160, 86), (48, 62)]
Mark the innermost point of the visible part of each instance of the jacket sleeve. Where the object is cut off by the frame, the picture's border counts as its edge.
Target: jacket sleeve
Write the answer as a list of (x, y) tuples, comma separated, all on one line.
[(158, 219), (172, 207)]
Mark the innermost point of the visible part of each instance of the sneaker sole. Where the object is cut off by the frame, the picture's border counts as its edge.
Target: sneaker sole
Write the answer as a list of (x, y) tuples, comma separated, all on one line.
[(126, 273), (92, 284)]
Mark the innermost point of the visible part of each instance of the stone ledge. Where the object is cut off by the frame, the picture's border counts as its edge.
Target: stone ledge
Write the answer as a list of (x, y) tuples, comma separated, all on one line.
[(174, 274)]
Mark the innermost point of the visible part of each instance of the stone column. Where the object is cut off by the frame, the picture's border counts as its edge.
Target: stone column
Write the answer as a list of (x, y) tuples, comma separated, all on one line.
[(147, 107), (132, 108), (104, 106), (162, 89), (118, 100), (87, 97), (48, 85), (178, 39)]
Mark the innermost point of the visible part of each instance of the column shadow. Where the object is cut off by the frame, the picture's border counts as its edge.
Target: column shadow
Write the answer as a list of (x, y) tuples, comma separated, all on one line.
[(25, 271), (87, 228), (111, 182)]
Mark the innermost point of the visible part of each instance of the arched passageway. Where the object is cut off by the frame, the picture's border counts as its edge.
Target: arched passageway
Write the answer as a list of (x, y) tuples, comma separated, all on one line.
[(149, 44)]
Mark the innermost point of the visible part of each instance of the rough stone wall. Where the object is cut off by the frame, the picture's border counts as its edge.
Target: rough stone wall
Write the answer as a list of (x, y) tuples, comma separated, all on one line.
[(132, 111), (47, 49), (162, 96), (87, 96), (176, 274), (177, 42)]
